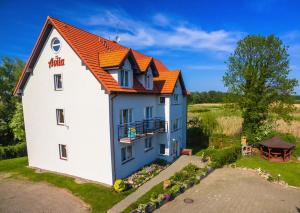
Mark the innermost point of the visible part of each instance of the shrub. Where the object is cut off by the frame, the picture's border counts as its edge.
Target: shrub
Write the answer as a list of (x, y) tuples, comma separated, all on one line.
[(119, 185), (18, 150), (225, 156)]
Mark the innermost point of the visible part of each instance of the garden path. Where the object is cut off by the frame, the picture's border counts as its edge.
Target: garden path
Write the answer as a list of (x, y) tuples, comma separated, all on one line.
[(181, 162)]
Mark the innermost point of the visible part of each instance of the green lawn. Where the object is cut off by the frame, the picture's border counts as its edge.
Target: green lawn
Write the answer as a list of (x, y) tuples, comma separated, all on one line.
[(290, 171), (99, 197)]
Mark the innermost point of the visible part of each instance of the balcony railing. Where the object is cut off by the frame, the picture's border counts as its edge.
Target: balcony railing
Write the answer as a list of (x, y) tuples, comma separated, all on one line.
[(136, 130)]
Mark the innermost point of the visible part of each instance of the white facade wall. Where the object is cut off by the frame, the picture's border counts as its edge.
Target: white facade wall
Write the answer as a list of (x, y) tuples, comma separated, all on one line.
[(86, 133), (166, 111), (137, 103)]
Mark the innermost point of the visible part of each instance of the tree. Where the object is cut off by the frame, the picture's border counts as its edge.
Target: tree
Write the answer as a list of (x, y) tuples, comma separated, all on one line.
[(258, 83), (10, 70), (17, 123)]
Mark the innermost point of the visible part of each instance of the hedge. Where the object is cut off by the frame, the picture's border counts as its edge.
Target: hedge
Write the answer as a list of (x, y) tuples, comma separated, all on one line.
[(14, 151), (225, 156)]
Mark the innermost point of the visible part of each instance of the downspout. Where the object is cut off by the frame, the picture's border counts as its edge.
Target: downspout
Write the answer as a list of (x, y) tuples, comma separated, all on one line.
[(113, 136)]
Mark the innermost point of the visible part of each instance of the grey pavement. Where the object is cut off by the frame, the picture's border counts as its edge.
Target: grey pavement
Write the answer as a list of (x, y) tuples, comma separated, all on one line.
[(234, 191)]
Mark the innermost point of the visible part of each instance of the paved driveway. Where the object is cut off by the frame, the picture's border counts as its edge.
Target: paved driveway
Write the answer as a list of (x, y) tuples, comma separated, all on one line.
[(236, 190), (24, 196)]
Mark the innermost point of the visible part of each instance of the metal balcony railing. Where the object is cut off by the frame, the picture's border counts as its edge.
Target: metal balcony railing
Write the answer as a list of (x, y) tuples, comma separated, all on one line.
[(136, 130)]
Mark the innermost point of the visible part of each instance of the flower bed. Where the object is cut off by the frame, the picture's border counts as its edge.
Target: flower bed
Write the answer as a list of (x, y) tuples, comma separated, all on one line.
[(169, 189), (146, 173)]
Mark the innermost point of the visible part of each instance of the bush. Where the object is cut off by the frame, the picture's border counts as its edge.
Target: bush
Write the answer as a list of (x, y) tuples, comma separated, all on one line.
[(225, 156), (119, 185), (18, 150)]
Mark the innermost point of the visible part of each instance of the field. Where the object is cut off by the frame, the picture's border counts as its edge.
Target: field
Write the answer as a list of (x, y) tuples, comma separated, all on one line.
[(230, 121)]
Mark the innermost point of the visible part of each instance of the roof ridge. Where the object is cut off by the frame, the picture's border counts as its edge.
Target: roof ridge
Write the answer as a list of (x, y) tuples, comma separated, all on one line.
[(93, 34)]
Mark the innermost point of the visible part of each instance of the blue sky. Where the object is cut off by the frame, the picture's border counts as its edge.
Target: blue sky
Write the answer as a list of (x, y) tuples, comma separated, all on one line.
[(194, 36)]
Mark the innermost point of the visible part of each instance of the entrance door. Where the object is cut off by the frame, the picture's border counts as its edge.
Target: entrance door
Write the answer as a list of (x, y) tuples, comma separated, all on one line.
[(175, 148)]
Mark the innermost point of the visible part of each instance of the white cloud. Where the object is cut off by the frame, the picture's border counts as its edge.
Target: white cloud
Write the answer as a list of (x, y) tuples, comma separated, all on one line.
[(141, 34), (160, 19), (207, 67)]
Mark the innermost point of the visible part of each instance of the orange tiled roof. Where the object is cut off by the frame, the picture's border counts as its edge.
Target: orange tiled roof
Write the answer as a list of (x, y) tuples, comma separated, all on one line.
[(98, 53), (113, 58), (142, 60)]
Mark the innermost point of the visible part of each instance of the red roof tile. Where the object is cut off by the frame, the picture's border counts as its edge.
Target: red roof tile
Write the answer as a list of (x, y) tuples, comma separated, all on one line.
[(98, 53)]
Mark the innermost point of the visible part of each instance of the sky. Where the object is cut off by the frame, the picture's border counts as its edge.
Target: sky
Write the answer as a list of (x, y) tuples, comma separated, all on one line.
[(196, 37)]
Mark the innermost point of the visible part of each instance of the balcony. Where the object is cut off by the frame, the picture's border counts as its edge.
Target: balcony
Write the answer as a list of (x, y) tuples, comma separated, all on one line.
[(128, 133)]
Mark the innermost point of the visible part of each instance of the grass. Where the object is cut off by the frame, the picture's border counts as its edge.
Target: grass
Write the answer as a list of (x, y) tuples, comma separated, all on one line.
[(158, 189), (230, 121), (100, 198), (290, 171)]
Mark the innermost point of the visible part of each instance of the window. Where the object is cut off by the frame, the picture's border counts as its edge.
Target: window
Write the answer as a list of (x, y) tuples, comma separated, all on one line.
[(148, 143), (162, 100), (58, 82), (149, 112), (162, 148), (175, 98), (62, 151), (125, 116), (60, 117), (55, 45), (175, 125), (148, 79), (126, 153), (124, 78)]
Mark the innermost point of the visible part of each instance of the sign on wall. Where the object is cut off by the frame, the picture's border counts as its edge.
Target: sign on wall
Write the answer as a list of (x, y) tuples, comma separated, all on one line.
[(56, 62)]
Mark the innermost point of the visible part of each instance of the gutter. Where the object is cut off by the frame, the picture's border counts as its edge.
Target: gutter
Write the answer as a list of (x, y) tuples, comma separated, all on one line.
[(113, 137)]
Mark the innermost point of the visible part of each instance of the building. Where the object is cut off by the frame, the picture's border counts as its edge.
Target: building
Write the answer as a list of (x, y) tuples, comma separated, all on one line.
[(96, 109)]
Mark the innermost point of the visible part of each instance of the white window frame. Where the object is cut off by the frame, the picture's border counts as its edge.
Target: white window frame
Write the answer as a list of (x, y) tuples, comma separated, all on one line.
[(148, 144), (128, 154), (58, 118), (164, 98), (61, 152), (148, 109), (129, 116), (148, 79), (52, 45), (160, 149), (175, 99), (175, 127), (124, 73), (56, 82)]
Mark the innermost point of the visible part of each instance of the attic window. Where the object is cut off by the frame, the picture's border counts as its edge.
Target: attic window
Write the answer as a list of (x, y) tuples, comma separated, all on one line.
[(55, 45)]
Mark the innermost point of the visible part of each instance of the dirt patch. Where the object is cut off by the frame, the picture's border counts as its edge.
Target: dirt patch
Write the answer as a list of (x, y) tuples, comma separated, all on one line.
[(24, 196)]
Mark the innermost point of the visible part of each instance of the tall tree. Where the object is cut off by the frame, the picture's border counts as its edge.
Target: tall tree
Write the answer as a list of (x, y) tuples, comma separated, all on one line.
[(258, 83), (10, 70)]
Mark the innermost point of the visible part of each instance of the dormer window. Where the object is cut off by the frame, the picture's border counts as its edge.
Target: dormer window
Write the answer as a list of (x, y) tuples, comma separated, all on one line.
[(125, 78), (149, 80)]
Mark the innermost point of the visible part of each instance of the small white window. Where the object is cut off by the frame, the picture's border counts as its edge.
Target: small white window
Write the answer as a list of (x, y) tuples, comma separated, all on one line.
[(60, 116), (149, 112), (63, 152), (126, 153), (175, 125), (148, 80), (162, 148), (175, 98), (148, 143), (162, 100), (58, 82), (125, 116), (124, 78), (55, 45)]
